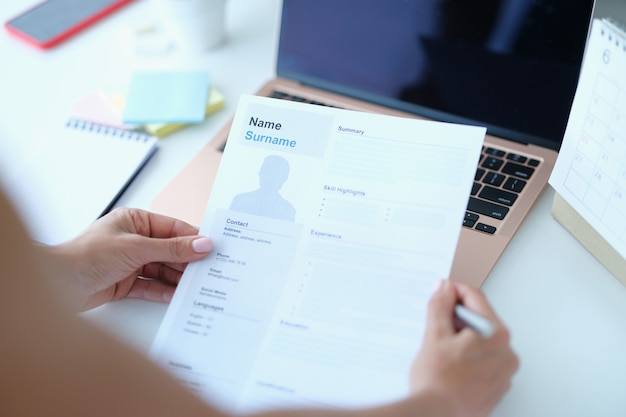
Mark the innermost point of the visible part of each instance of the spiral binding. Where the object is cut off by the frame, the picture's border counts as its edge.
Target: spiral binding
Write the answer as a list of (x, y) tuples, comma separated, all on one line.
[(616, 31), (84, 125)]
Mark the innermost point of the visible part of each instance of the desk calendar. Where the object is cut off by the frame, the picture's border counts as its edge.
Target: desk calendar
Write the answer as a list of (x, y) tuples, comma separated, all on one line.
[(590, 173)]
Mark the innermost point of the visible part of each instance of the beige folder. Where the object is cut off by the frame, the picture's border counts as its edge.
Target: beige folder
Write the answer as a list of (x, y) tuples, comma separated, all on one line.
[(186, 196)]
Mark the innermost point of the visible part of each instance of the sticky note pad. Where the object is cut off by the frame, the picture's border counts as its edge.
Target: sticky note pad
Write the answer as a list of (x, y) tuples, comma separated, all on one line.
[(166, 97), (214, 103)]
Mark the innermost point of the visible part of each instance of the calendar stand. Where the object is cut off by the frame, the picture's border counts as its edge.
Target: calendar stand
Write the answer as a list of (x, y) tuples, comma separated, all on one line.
[(589, 237), (590, 172)]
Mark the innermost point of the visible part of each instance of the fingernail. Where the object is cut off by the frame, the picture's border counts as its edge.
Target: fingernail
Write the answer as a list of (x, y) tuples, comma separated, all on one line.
[(202, 245), (437, 286)]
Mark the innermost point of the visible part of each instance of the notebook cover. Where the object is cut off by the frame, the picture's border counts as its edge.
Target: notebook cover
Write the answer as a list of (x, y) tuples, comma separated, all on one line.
[(75, 174)]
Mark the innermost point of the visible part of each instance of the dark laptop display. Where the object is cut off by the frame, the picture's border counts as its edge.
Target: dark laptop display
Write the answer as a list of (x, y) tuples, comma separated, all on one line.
[(509, 65)]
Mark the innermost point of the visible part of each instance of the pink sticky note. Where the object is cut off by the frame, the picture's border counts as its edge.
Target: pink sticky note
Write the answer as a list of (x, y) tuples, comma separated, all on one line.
[(99, 108)]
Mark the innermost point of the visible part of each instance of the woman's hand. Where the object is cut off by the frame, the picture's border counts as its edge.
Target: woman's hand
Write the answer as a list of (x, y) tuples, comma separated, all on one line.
[(457, 369), (127, 253)]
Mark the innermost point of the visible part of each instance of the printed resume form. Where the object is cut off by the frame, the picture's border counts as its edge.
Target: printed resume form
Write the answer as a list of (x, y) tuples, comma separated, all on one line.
[(329, 230)]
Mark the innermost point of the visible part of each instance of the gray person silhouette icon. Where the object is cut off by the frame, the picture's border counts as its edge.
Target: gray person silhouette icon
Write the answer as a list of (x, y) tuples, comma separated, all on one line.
[(266, 200)]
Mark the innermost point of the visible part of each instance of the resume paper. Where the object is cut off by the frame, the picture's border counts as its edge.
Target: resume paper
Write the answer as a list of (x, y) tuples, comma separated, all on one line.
[(329, 230)]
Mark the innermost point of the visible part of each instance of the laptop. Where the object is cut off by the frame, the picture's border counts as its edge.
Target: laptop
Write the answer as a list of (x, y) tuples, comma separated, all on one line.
[(509, 65)]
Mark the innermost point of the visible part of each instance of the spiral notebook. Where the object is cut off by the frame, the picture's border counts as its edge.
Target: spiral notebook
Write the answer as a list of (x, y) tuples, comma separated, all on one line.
[(75, 175), (590, 173)]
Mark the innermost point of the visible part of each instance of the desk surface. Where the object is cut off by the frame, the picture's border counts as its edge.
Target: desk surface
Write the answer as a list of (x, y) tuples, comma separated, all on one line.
[(566, 313)]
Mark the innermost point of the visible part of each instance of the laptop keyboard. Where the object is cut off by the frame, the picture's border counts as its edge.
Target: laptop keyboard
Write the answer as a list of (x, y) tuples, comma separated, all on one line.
[(500, 178)]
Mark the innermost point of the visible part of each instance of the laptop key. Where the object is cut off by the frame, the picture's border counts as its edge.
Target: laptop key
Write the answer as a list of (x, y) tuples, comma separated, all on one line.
[(299, 99), (514, 184), (497, 195), (487, 208), (492, 163), (470, 219), (495, 152), (485, 228), (493, 178), (520, 171), (517, 158), (279, 94)]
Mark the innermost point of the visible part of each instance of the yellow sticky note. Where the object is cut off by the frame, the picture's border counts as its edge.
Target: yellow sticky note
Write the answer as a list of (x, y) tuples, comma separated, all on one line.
[(215, 102)]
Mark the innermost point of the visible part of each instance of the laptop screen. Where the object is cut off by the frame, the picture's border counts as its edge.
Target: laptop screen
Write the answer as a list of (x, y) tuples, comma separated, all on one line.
[(509, 65)]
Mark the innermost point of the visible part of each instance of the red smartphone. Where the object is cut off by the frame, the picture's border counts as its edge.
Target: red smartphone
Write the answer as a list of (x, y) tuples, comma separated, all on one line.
[(53, 21)]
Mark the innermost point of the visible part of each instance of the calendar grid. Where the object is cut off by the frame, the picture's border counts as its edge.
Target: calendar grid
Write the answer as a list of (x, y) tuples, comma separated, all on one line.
[(597, 175), (590, 172)]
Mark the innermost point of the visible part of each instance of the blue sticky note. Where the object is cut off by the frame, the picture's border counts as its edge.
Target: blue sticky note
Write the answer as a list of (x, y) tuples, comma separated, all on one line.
[(166, 97)]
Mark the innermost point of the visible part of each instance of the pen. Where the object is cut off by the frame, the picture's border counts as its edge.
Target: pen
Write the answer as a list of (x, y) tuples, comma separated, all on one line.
[(475, 321)]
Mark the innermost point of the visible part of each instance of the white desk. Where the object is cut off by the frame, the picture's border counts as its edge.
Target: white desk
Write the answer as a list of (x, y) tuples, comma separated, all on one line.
[(567, 314)]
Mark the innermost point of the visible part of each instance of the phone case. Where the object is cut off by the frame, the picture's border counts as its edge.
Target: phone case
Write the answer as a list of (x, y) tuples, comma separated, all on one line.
[(68, 32)]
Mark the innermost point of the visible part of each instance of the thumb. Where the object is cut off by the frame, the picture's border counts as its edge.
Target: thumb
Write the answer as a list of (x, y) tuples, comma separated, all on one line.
[(440, 316), (180, 249)]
